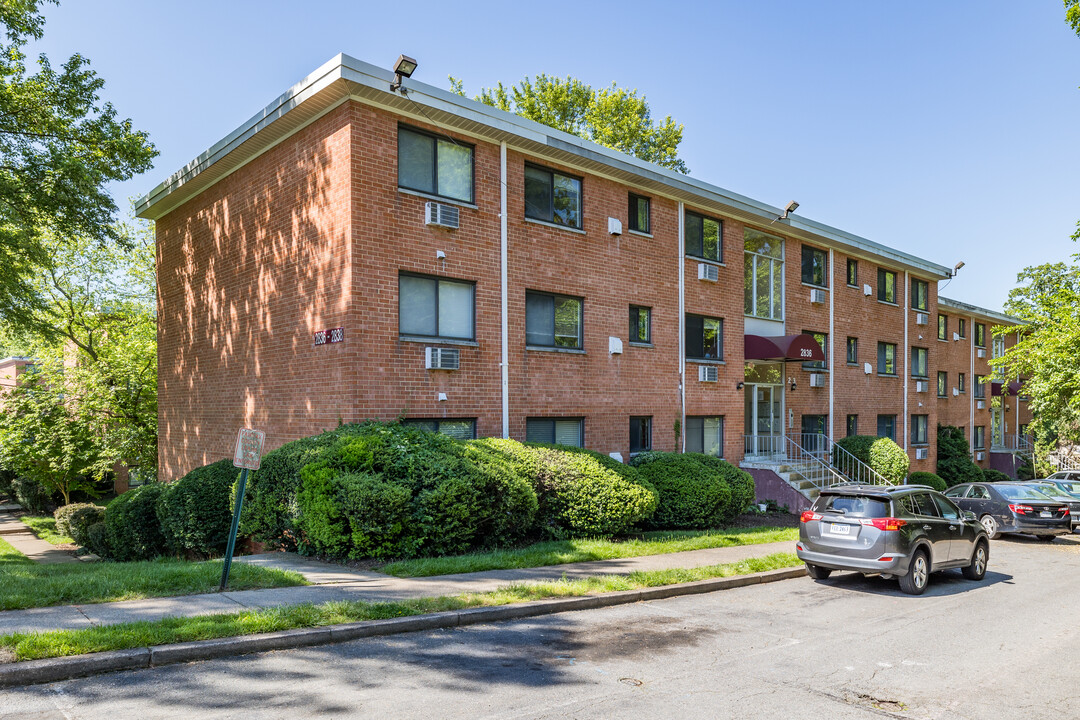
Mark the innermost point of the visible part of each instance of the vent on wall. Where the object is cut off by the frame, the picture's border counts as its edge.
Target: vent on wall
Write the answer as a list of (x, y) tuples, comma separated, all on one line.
[(980, 404), (980, 352), (955, 391), (922, 385), (817, 296), (920, 453), (705, 271), (441, 358), (956, 336), (980, 456), (707, 373), (922, 318), (867, 290), (817, 380), (441, 215)]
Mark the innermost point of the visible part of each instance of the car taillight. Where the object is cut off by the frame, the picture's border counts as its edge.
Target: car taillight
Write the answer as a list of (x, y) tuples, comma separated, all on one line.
[(1020, 509), (809, 515), (1065, 511), (887, 524)]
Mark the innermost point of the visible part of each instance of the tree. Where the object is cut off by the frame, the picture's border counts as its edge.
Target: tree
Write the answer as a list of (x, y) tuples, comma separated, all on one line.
[(59, 147), (613, 117), (954, 464), (1072, 14)]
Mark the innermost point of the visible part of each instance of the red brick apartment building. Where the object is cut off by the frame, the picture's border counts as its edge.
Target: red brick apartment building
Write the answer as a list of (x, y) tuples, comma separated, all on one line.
[(489, 276)]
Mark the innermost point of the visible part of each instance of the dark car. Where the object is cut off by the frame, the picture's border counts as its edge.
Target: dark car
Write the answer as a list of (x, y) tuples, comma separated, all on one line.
[(1053, 490), (1013, 508), (902, 531)]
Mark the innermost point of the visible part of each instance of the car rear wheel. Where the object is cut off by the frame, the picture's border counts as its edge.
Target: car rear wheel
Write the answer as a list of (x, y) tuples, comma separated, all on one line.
[(918, 575), (977, 569), (990, 525), (817, 572)]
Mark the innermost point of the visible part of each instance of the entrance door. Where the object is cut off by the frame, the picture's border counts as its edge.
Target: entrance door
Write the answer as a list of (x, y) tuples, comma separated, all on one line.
[(764, 419), (997, 428)]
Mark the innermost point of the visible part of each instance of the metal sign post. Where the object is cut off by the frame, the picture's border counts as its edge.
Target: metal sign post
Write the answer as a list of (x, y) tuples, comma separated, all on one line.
[(247, 455)]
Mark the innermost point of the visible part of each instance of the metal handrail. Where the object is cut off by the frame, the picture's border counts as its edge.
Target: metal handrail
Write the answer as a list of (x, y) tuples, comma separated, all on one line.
[(817, 449), (843, 461), (826, 475)]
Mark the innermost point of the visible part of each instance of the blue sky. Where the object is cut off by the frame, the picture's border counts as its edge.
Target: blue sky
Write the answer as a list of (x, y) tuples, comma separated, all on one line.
[(945, 129)]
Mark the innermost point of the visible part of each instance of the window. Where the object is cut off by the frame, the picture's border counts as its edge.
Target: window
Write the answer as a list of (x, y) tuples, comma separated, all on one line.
[(920, 293), (980, 335), (980, 387), (942, 327), (704, 338), (555, 431), (980, 437), (461, 429), (813, 425), (640, 325), (942, 383), (640, 434), (814, 264), (852, 425), (919, 424), (640, 220), (852, 351), (852, 272), (705, 435), (763, 279), (918, 363), (822, 340), (999, 347), (960, 382), (552, 320), (552, 197), (435, 165), (704, 237), (886, 426), (886, 286), (886, 358), (961, 327), (436, 308)]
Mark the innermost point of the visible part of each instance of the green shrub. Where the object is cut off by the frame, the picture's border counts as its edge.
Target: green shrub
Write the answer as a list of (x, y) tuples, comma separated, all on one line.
[(63, 517), (32, 496), (992, 475), (927, 478), (195, 510), (378, 515), (739, 481), (954, 464), (7, 480), (80, 521), (627, 471), (882, 455), (132, 525), (97, 540), (692, 493)]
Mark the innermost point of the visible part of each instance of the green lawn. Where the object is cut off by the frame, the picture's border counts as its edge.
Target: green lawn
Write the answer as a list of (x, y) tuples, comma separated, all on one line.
[(171, 630), (25, 584), (45, 528), (568, 551)]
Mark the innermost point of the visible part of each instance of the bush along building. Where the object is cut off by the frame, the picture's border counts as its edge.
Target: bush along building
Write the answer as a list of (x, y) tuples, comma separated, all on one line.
[(356, 251)]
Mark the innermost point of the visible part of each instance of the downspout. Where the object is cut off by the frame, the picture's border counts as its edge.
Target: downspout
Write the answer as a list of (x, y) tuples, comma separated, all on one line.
[(832, 342), (682, 332), (505, 329), (907, 355)]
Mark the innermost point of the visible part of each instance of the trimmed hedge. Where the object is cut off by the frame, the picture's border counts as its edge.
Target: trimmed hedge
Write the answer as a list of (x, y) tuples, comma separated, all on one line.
[(32, 496), (692, 494), (97, 540), (132, 527), (926, 478), (63, 517), (992, 475), (954, 464), (195, 512), (80, 521), (740, 482), (882, 455), (627, 471)]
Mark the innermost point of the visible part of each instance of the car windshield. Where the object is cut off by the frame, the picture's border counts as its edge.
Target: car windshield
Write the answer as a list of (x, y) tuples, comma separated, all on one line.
[(853, 506), (1069, 487), (1020, 492)]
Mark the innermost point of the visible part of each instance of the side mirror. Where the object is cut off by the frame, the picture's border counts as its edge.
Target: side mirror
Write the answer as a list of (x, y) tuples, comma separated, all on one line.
[(968, 515)]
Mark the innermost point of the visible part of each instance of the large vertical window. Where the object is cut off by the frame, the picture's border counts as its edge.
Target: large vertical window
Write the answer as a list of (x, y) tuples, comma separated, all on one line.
[(434, 165), (960, 383), (886, 286), (705, 435), (920, 294), (640, 434), (942, 383), (999, 347), (552, 320), (852, 425), (980, 387), (555, 431), (763, 282), (980, 437), (980, 335), (918, 363), (552, 197), (639, 216), (814, 266), (852, 351), (822, 340), (436, 308), (704, 338), (886, 426), (463, 429), (919, 424), (886, 358), (852, 272), (640, 325), (704, 237), (961, 327), (942, 327)]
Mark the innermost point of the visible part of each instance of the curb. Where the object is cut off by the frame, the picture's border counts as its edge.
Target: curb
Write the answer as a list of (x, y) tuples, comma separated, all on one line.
[(32, 672)]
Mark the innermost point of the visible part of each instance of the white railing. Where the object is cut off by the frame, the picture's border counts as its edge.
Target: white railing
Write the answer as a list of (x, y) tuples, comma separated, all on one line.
[(814, 456)]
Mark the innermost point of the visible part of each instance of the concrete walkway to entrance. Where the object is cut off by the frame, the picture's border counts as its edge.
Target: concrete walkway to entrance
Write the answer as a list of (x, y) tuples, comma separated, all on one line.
[(336, 582), (19, 537)]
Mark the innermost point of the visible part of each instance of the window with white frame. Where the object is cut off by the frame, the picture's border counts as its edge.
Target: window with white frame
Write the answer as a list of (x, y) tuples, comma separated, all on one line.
[(553, 320), (555, 431), (434, 307), (434, 165), (705, 435), (763, 278)]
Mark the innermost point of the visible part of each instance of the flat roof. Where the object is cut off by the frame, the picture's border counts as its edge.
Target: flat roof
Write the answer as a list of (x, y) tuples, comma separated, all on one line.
[(344, 77), (976, 310)]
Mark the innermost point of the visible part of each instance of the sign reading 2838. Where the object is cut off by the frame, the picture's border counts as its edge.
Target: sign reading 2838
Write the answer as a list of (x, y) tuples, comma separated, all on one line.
[(328, 337)]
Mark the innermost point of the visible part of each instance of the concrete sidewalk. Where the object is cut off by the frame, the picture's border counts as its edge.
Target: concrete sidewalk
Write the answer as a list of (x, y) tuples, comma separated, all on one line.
[(336, 582), (18, 535)]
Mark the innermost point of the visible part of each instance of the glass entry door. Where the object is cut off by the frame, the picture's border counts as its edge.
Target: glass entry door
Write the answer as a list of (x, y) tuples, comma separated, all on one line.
[(764, 419)]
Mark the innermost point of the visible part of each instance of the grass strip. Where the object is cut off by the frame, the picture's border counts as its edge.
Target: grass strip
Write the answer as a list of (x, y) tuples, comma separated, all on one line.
[(582, 550), (29, 585), (45, 528), (58, 643), (10, 556)]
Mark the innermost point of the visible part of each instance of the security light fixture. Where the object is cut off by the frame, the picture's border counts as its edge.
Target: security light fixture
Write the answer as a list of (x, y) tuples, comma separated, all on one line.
[(792, 386), (791, 207), (956, 267), (403, 68), (739, 386)]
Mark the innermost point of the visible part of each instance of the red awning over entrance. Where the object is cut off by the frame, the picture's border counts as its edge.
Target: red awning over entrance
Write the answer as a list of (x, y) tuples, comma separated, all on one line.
[(1012, 388), (802, 348)]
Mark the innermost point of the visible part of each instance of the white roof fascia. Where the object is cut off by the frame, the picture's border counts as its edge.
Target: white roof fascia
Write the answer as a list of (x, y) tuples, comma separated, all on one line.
[(976, 310)]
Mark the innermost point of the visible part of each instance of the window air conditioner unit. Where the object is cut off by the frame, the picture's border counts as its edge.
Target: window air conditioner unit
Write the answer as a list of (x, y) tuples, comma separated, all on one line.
[(920, 453), (867, 290), (922, 386), (817, 296), (980, 404), (817, 380), (980, 352), (980, 455), (442, 358), (441, 215), (705, 271), (922, 318), (707, 373)]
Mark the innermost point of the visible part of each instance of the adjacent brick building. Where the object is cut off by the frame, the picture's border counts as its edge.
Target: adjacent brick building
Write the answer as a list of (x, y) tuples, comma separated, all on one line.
[(486, 275)]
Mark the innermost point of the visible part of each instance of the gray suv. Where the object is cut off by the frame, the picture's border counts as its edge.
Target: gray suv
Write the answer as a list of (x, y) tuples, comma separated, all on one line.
[(902, 531)]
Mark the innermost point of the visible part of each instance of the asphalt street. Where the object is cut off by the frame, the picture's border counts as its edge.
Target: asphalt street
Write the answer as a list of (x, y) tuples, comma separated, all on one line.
[(848, 647)]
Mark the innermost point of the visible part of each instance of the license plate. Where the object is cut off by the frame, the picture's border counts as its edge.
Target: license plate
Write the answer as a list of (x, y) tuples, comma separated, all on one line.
[(1046, 514), (838, 529)]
